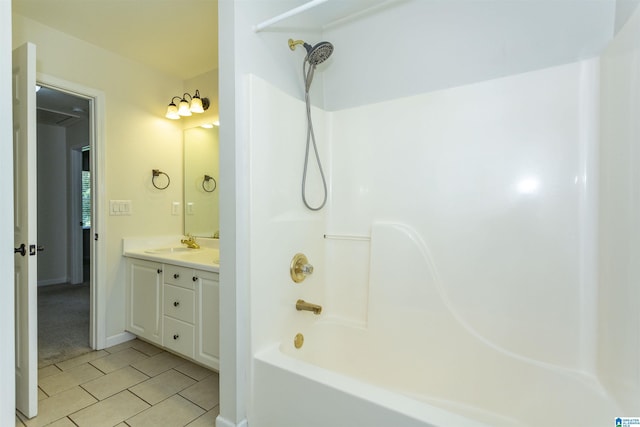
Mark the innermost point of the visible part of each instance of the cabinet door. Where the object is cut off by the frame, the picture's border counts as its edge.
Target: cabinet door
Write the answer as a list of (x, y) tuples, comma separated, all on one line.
[(144, 299), (207, 319)]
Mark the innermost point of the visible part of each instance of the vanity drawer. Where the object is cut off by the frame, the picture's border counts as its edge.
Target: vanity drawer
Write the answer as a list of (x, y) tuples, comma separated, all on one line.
[(179, 276), (179, 336), (179, 303)]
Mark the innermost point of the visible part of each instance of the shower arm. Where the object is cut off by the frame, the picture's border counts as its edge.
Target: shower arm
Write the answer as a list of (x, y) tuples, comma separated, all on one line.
[(293, 43)]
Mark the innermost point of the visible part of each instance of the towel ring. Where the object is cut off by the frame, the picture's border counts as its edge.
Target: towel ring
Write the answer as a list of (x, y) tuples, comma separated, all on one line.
[(206, 179), (156, 173)]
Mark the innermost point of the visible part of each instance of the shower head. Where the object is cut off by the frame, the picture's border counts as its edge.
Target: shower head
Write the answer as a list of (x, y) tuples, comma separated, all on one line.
[(315, 54)]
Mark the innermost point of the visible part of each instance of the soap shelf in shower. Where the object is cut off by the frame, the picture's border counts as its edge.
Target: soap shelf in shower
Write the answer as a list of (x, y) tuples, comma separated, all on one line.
[(319, 14)]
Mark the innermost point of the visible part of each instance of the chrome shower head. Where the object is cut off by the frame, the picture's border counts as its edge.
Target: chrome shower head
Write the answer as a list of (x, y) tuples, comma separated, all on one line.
[(315, 54), (319, 53)]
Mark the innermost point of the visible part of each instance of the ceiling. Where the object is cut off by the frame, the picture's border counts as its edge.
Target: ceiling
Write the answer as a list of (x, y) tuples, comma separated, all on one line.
[(57, 108), (178, 37)]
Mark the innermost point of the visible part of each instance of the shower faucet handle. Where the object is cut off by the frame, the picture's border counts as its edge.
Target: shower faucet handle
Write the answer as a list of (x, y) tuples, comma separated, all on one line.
[(300, 268)]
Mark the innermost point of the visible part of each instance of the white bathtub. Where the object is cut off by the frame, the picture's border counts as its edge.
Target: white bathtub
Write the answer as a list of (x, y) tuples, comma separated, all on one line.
[(345, 376), (416, 361)]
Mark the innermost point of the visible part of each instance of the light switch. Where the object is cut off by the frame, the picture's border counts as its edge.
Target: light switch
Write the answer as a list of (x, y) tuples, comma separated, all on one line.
[(114, 207), (119, 207), (175, 208), (191, 209)]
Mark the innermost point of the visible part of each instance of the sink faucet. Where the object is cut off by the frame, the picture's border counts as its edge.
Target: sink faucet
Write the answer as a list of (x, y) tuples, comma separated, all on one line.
[(307, 306), (190, 241)]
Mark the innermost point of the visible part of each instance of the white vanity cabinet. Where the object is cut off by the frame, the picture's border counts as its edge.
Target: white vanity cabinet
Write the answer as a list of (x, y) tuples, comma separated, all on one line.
[(207, 318), (144, 299), (184, 316), (179, 310)]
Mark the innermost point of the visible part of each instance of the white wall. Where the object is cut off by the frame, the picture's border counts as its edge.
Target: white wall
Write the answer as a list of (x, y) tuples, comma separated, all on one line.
[(278, 129), (7, 313), (138, 139), (490, 175), (619, 321), (420, 46), (207, 84), (268, 56), (52, 205)]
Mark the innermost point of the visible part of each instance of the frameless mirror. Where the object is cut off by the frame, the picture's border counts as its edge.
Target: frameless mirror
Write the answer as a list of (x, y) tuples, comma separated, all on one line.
[(201, 172)]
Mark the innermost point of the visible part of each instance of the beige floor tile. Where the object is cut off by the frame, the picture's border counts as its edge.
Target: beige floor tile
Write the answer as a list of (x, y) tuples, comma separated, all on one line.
[(60, 405), (119, 347), (146, 348), (173, 412), (205, 393), (118, 360), (18, 422), (196, 372), (114, 382), (41, 394), (162, 386), (158, 364), (110, 411), (206, 420), (87, 357), (48, 371), (64, 422), (72, 377)]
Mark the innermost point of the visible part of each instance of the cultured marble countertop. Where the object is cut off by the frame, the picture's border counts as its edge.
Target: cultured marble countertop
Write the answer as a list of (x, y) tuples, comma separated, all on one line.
[(169, 250)]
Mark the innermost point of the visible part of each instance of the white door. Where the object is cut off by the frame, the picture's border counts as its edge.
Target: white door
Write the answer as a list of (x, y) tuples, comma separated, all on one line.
[(25, 217)]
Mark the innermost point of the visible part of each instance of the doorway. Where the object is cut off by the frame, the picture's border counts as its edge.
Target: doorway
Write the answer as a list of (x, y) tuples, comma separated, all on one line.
[(64, 224)]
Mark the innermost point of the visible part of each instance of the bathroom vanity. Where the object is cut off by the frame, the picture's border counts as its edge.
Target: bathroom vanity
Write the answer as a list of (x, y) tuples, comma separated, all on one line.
[(172, 298)]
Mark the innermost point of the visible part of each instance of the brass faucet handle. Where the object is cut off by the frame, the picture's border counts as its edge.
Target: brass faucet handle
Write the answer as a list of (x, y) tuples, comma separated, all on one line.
[(190, 241), (300, 268)]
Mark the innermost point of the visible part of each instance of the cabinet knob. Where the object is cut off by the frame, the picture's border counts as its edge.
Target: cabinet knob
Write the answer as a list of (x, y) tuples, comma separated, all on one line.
[(176, 275), (194, 278), (176, 303), (176, 336), (159, 270)]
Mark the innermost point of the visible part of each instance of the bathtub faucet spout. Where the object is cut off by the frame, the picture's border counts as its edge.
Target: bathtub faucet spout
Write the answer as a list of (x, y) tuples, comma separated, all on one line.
[(307, 306)]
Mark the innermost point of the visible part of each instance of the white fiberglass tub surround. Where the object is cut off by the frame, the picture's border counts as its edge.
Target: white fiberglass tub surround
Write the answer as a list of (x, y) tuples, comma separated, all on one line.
[(418, 367), (475, 300)]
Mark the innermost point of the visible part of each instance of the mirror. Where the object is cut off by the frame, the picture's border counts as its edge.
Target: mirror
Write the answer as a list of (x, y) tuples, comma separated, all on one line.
[(201, 173)]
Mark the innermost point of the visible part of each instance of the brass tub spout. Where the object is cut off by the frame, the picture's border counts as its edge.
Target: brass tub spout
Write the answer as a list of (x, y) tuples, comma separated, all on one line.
[(307, 306)]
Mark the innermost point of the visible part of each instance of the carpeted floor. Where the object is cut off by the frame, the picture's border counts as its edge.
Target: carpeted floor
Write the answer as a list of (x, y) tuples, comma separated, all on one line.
[(63, 322)]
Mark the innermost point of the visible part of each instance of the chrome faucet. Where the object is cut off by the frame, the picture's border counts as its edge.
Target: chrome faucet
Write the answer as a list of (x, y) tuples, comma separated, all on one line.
[(307, 306), (190, 241)]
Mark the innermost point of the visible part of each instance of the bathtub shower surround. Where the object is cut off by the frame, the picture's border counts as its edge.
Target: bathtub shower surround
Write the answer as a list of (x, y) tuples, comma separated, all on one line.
[(470, 298)]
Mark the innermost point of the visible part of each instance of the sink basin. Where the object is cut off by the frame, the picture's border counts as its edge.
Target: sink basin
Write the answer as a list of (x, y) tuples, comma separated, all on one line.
[(176, 250)]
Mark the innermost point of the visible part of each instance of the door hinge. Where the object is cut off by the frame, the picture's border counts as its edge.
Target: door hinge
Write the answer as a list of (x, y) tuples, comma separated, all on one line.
[(95, 237)]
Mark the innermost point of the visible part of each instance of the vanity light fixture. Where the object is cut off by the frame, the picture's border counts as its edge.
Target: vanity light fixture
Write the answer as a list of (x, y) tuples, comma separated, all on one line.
[(185, 107)]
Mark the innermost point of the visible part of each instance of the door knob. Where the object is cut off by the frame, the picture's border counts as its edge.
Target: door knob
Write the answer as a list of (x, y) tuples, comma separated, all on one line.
[(22, 250)]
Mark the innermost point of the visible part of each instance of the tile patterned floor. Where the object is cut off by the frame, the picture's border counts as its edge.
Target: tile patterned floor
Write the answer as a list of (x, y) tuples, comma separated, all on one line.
[(133, 384)]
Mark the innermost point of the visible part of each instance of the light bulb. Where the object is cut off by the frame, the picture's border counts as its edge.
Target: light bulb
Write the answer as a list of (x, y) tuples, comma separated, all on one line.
[(183, 108), (196, 105), (172, 112)]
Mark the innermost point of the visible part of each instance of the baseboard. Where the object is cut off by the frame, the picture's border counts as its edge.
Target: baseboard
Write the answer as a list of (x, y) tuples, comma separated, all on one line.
[(49, 282), (223, 422), (118, 339)]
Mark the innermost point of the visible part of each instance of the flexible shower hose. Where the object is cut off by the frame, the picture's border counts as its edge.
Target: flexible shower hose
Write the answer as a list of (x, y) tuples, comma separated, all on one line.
[(311, 139)]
